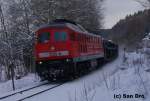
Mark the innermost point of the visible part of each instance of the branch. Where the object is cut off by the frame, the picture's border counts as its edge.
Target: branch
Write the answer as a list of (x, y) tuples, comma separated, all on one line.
[(145, 4)]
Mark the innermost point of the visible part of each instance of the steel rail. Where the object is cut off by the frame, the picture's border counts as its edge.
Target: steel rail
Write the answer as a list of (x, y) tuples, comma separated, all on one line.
[(22, 91)]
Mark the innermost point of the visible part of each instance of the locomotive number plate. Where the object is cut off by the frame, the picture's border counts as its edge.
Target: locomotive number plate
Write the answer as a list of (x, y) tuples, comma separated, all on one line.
[(44, 54), (48, 54)]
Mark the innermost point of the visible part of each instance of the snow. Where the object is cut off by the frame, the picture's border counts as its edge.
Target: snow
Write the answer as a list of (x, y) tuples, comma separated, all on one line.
[(19, 96), (26, 82), (132, 80), (2, 73)]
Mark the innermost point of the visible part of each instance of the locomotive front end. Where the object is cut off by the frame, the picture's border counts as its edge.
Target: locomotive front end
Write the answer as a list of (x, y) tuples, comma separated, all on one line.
[(53, 52)]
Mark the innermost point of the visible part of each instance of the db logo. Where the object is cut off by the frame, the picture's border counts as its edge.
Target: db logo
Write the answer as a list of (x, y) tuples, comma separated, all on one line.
[(52, 48)]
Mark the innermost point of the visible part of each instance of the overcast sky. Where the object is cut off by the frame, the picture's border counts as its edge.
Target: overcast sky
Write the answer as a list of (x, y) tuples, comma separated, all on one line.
[(114, 10)]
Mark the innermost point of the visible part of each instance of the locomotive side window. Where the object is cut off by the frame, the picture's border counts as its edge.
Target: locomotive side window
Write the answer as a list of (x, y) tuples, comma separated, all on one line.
[(72, 37), (44, 37), (60, 36), (79, 37)]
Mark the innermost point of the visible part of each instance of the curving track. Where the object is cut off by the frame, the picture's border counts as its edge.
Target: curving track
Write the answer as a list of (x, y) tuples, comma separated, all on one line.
[(28, 93)]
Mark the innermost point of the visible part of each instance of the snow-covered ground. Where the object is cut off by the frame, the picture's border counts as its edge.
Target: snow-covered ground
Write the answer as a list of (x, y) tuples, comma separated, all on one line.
[(26, 82), (127, 80)]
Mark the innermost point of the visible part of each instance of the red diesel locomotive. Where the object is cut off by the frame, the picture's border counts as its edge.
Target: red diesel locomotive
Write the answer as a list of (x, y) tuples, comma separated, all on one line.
[(64, 49)]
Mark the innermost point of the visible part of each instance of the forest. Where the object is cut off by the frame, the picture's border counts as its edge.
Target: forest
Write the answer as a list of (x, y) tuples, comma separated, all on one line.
[(131, 30)]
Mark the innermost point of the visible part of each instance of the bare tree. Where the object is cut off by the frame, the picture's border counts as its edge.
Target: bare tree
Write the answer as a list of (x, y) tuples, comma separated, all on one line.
[(85, 12), (145, 3), (15, 28)]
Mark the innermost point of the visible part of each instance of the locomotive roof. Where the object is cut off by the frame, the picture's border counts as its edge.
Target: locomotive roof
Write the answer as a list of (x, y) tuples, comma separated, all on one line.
[(75, 27), (64, 21)]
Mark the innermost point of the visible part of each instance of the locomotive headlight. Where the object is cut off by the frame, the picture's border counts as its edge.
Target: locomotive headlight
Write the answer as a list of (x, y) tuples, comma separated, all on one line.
[(67, 60), (52, 48), (40, 62)]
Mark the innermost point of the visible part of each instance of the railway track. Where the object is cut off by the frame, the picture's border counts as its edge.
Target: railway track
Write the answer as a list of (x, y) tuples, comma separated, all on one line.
[(28, 93)]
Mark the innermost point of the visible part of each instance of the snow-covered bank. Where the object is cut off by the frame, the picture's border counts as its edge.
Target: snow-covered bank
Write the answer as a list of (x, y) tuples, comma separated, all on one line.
[(28, 81), (130, 83)]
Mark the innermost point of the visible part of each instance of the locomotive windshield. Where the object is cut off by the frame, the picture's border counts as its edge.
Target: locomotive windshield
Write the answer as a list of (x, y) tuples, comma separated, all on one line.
[(44, 37), (60, 36)]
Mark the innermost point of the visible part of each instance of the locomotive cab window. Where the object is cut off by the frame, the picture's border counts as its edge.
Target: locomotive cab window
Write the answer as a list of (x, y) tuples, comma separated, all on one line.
[(60, 36), (44, 37)]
